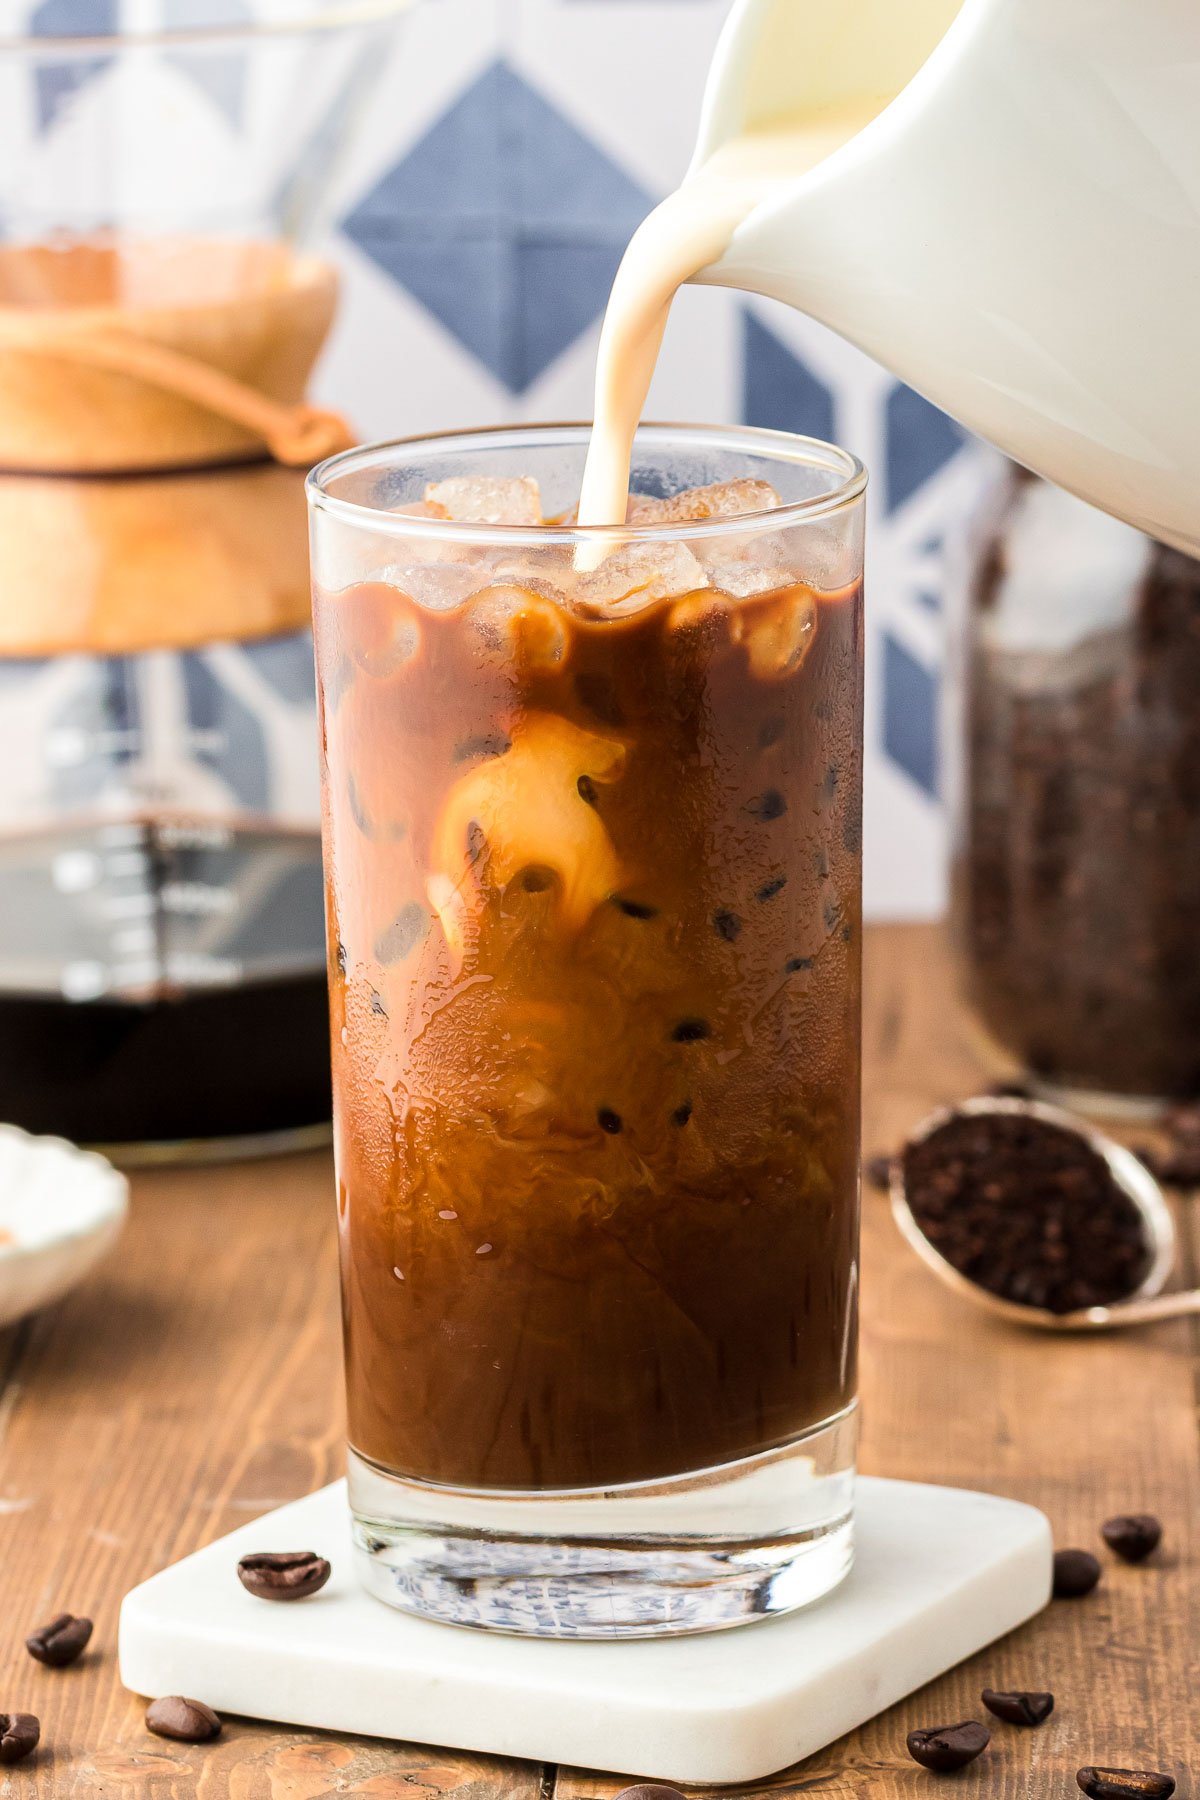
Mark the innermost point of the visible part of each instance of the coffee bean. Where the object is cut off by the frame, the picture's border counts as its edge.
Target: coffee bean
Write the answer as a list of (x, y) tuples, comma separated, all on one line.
[(795, 965), (948, 1747), (19, 1734), (188, 1721), (878, 1171), (727, 925), (769, 889), (283, 1574), (1179, 1163), (1019, 1707), (691, 1031), (1076, 1573), (682, 1114), (60, 1642), (1178, 1166), (1125, 1784), (649, 1790), (1134, 1536)]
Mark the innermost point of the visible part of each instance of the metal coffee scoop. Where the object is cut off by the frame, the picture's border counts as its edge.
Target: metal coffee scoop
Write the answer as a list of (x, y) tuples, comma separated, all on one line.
[(1146, 1304)]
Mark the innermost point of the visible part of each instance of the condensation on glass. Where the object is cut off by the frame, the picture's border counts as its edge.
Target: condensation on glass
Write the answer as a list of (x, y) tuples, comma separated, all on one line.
[(593, 852)]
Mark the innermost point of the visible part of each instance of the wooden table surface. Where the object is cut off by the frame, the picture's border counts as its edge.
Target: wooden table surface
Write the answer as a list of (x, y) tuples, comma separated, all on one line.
[(195, 1381)]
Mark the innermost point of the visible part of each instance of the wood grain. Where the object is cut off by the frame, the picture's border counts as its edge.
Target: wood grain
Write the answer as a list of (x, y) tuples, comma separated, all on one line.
[(196, 1381)]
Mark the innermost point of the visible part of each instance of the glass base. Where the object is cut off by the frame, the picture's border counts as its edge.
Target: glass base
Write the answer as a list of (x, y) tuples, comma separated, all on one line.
[(698, 1552)]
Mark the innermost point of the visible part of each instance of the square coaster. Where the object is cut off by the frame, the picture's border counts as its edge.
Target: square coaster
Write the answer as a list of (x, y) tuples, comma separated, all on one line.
[(939, 1572)]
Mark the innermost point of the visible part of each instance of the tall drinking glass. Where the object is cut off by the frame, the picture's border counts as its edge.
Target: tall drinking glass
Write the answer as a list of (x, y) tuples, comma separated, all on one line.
[(593, 846)]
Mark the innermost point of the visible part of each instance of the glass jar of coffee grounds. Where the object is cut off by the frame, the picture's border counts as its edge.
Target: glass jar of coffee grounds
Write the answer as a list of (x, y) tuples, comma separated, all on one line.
[(1077, 866)]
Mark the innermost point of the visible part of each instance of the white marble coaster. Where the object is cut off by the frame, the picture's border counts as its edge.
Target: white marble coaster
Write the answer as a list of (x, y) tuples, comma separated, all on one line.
[(939, 1573)]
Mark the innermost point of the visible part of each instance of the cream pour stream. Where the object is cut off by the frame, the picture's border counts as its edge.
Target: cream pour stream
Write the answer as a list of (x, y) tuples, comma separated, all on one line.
[(691, 229)]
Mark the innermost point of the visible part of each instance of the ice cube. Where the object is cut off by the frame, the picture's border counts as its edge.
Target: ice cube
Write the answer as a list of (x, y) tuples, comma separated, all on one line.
[(638, 574), (742, 578), (777, 634), (547, 569), (421, 509), (703, 615), (719, 500), (829, 555), (380, 634), (488, 499), (437, 586), (524, 625)]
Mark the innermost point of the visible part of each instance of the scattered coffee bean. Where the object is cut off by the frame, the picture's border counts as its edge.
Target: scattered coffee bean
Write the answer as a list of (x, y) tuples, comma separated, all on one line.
[(649, 1790), (608, 1120), (682, 1114), (948, 1747), (586, 789), (377, 1006), (1133, 1536), (769, 889), (60, 1642), (691, 1031), (283, 1574), (1027, 1209), (1076, 1573), (767, 806), (1019, 1707), (727, 925), (19, 1734), (878, 1171), (1125, 1784), (796, 964), (188, 1721)]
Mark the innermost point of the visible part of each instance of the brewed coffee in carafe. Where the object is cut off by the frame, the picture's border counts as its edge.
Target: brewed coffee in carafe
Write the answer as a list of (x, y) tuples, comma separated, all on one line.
[(162, 963)]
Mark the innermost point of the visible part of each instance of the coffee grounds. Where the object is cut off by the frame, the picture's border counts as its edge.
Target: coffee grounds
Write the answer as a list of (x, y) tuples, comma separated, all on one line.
[(1026, 1209), (1078, 884)]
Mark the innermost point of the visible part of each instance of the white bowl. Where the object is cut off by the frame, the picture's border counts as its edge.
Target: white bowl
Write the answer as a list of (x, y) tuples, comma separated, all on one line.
[(61, 1210)]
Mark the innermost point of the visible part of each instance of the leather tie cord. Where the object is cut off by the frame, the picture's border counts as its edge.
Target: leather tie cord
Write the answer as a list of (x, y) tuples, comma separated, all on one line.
[(296, 436)]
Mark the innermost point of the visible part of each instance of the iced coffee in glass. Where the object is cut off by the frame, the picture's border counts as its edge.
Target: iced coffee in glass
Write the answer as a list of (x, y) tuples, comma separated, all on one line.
[(593, 846)]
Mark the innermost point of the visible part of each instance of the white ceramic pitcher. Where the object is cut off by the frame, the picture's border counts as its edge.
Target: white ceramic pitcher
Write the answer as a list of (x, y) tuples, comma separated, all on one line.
[(1015, 231)]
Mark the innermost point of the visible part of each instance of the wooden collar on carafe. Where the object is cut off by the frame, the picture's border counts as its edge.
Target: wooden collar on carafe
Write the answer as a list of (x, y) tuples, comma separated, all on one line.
[(295, 436)]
